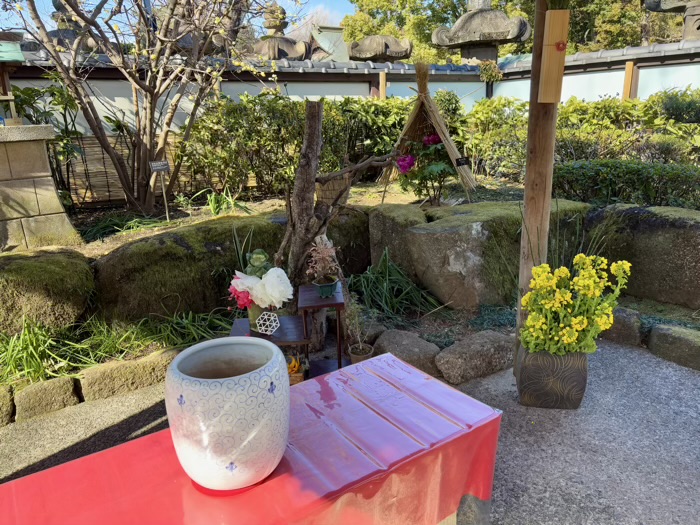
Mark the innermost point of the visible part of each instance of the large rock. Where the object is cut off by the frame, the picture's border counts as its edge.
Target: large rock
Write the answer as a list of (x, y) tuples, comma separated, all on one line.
[(673, 343), (189, 268), (663, 245), (49, 287), (410, 348), (7, 406), (45, 396), (371, 332), (120, 377), (477, 355), (627, 328), (465, 255)]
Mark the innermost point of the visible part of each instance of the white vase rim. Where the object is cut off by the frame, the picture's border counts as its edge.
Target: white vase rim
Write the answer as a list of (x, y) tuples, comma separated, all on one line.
[(219, 341)]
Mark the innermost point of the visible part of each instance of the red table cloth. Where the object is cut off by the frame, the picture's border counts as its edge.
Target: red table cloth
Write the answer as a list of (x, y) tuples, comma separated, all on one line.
[(375, 443)]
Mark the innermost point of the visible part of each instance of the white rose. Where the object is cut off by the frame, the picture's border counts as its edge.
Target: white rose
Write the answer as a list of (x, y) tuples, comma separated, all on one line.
[(277, 286)]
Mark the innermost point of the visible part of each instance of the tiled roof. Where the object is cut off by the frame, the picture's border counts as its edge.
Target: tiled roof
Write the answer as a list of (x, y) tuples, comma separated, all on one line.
[(682, 48), (508, 65)]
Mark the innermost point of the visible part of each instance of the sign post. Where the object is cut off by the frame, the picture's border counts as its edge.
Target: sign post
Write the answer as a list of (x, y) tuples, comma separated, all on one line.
[(160, 167)]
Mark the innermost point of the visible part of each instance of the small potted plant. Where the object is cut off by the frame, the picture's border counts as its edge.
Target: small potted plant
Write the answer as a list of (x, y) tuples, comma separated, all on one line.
[(359, 350), (323, 267), (565, 316), (262, 287)]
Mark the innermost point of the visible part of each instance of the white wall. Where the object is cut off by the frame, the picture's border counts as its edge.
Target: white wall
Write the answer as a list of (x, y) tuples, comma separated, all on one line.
[(300, 90), (584, 86), (468, 92), (113, 98), (655, 79)]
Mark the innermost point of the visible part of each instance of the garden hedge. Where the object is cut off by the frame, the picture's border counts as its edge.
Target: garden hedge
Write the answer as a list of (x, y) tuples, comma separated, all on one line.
[(605, 182)]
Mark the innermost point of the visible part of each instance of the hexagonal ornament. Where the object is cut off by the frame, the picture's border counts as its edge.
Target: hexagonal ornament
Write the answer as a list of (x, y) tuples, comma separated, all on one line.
[(267, 323)]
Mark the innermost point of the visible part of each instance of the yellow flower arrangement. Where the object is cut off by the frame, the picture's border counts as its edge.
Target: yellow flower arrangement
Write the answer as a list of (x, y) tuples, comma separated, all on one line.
[(566, 314)]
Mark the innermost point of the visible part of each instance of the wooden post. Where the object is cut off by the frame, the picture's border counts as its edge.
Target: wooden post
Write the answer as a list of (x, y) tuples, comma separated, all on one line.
[(382, 85), (631, 86), (556, 35), (539, 169)]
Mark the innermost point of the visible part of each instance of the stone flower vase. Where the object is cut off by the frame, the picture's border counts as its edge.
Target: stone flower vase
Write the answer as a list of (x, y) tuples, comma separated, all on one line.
[(551, 381), (228, 407)]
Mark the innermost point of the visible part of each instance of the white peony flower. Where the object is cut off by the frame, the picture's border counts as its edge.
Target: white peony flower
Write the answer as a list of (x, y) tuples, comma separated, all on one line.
[(272, 290), (277, 286)]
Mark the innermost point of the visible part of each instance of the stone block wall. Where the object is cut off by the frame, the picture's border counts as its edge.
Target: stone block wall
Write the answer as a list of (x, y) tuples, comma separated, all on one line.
[(31, 214)]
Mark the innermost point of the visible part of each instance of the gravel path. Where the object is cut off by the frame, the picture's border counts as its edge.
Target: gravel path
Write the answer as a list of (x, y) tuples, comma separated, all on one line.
[(629, 455)]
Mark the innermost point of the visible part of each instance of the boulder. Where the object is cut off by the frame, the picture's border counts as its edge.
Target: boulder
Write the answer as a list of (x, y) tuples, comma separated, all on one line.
[(676, 344), (627, 328), (45, 396), (7, 406), (120, 377), (663, 245), (48, 287), (371, 332), (465, 255), (410, 348), (389, 226), (477, 355)]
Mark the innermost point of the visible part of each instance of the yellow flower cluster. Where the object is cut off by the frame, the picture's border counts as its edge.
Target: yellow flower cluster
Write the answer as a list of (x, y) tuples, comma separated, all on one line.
[(567, 313)]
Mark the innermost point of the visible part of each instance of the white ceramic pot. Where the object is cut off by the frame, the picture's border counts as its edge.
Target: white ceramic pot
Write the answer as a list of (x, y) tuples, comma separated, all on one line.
[(228, 407)]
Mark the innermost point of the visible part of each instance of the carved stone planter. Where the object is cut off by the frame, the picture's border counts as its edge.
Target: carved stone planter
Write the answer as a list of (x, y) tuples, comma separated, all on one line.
[(228, 408), (551, 381)]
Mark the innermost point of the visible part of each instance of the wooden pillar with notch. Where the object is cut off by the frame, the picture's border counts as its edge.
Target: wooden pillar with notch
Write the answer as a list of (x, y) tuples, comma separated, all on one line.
[(631, 86), (548, 60), (382, 85)]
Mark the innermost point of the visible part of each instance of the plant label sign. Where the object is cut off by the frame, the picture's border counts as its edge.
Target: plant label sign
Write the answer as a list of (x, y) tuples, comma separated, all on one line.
[(160, 165)]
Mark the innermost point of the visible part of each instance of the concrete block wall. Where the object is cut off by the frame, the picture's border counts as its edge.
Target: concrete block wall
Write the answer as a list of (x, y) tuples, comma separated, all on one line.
[(31, 214)]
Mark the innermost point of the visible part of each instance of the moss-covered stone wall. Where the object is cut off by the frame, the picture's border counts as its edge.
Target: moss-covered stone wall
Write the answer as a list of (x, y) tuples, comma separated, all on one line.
[(466, 255), (189, 268), (51, 287)]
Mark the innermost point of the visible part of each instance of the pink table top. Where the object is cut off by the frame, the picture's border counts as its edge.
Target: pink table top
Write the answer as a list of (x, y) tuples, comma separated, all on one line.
[(374, 443)]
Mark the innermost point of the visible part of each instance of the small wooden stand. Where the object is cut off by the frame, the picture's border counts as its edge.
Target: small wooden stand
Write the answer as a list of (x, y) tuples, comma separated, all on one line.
[(309, 301)]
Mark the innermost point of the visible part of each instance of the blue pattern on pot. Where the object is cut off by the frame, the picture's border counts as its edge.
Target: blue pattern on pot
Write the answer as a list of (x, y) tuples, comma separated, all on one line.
[(229, 432)]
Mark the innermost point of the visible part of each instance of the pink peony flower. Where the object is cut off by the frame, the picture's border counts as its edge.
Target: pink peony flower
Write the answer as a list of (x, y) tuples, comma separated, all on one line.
[(406, 163), (431, 140)]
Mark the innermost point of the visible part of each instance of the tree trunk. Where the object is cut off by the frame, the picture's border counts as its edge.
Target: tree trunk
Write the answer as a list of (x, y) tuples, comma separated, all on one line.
[(303, 226)]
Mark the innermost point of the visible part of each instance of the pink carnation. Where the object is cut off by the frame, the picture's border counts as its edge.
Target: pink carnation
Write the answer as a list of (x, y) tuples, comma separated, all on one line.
[(431, 140), (406, 163), (243, 299)]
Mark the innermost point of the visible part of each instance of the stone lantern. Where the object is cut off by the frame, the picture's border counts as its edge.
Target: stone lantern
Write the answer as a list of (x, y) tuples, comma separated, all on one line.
[(690, 10), (479, 32), (380, 48), (276, 46)]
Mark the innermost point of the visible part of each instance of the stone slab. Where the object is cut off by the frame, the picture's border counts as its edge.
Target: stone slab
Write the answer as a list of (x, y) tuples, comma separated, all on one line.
[(28, 160), (45, 396), (477, 355), (5, 173), (120, 377), (12, 236), (676, 344), (18, 199), (27, 133), (47, 196), (7, 406), (50, 230), (627, 328)]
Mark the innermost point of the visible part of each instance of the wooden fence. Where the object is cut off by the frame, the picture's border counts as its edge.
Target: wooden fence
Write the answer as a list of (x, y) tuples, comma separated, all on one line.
[(93, 181)]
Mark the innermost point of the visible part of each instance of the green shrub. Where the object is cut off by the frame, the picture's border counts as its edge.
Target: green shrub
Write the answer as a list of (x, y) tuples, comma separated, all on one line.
[(261, 137), (681, 105), (606, 182)]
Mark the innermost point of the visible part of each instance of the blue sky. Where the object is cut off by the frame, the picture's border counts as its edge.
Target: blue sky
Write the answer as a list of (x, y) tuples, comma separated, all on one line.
[(337, 8), (332, 11)]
